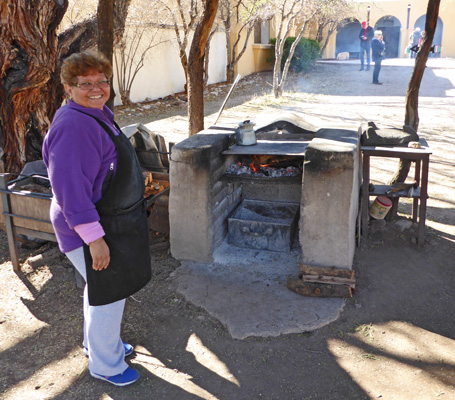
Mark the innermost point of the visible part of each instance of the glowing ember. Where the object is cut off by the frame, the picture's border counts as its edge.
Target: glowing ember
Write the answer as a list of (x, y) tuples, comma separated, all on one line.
[(262, 170)]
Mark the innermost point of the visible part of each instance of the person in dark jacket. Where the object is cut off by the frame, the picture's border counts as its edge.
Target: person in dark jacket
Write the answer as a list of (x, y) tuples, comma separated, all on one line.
[(377, 50), (91, 162), (366, 35), (414, 42)]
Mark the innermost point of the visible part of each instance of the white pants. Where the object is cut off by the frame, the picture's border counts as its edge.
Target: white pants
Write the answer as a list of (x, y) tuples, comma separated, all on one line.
[(101, 328)]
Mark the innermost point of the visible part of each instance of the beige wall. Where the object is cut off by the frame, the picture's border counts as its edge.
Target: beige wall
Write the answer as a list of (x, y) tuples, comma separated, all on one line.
[(162, 73), (254, 58), (399, 10)]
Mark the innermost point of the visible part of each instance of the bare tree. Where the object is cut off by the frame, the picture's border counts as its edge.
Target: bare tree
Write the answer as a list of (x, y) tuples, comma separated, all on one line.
[(142, 33), (412, 95), (196, 67), (183, 15), (329, 19), (215, 28), (77, 11), (290, 14), (130, 56), (245, 16)]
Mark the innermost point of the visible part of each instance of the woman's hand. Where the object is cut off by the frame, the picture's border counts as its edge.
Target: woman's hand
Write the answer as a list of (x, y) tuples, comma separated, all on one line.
[(100, 254)]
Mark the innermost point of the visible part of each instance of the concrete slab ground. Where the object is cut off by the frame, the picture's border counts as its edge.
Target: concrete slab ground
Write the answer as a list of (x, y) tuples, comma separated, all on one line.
[(246, 290)]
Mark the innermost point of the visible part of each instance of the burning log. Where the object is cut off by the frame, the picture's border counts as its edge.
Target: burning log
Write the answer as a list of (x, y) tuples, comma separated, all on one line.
[(153, 185), (267, 165), (322, 282), (274, 160)]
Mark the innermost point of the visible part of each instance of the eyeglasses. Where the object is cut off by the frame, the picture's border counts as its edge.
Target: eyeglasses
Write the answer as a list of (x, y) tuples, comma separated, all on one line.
[(90, 86)]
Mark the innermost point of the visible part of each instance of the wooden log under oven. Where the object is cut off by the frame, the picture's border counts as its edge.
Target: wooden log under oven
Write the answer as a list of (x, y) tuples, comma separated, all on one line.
[(322, 282)]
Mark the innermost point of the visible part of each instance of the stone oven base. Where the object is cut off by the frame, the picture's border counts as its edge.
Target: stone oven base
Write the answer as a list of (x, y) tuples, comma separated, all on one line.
[(202, 197)]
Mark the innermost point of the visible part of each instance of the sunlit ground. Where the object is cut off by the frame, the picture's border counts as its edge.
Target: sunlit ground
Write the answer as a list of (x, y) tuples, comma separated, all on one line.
[(399, 357), (395, 355)]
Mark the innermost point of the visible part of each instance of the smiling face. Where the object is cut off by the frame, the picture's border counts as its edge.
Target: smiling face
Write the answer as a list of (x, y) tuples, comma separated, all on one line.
[(93, 98)]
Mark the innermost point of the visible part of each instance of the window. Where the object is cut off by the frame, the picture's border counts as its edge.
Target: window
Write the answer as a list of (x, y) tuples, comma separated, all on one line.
[(262, 32)]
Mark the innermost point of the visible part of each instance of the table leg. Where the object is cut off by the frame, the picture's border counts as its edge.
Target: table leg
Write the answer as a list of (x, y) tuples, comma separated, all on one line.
[(365, 192), (415, 201), (423, 201), (9, 225)]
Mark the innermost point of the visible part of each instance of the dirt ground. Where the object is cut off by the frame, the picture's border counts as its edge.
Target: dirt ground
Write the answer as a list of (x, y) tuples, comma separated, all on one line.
[(394, 340)]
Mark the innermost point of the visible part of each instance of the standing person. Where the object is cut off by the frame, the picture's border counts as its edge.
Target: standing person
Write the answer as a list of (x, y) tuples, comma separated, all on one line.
[(414, 40), (365, 36), (377, 49), (98, 211)]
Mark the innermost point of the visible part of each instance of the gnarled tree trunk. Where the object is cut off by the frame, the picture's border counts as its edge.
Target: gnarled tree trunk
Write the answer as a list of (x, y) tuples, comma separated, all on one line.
[(30, 55), (27, 65)]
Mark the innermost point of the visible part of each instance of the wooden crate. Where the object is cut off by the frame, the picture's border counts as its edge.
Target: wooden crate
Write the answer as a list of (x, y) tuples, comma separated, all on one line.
[(24, 212), (29, 212)]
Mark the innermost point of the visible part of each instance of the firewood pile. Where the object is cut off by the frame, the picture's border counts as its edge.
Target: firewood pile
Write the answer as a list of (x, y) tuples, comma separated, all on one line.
[(155, 183), (322, 282), (35, 188)]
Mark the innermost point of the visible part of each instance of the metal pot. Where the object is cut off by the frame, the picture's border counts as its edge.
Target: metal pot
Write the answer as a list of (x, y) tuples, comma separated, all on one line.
[(245, 134)]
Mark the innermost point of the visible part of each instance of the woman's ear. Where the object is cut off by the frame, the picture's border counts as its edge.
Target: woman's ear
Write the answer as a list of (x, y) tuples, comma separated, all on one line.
[(68, 89)]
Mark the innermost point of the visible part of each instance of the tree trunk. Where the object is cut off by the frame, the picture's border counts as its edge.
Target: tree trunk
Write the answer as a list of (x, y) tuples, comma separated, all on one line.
[(196, 68), (412, 94), (105, 42), (28, 59), (227, 32), (234, 59), (206, 59), (323, 43), (277, 89)]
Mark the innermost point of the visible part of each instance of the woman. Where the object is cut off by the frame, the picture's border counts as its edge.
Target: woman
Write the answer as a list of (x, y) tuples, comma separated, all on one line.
[(377, 50), (97, 210)]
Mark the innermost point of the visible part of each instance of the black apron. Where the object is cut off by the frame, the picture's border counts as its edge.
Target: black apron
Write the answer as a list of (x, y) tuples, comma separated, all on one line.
[(123, 216)]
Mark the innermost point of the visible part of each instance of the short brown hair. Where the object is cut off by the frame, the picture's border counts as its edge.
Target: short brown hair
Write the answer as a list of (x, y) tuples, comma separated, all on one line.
[(81, 64)]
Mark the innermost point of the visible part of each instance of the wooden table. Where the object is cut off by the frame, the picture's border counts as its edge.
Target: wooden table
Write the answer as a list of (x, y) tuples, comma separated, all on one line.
[(421, 158)]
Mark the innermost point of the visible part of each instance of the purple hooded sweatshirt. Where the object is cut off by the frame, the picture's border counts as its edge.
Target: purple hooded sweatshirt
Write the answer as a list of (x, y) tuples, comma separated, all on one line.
[(78, 153)]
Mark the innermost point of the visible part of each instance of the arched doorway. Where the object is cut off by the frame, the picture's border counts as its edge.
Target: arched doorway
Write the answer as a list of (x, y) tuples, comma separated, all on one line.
[(391, 30), (347, 39), (437, 40)]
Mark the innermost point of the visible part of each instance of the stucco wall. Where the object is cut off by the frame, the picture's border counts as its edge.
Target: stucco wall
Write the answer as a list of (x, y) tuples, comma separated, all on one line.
[(162, 73)]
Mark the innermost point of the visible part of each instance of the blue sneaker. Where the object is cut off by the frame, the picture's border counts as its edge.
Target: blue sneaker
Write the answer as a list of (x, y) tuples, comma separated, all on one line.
[(128, 377), (128, 349)]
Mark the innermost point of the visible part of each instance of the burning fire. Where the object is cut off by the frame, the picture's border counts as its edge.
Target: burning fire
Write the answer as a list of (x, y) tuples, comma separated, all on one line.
[(256, 168)]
